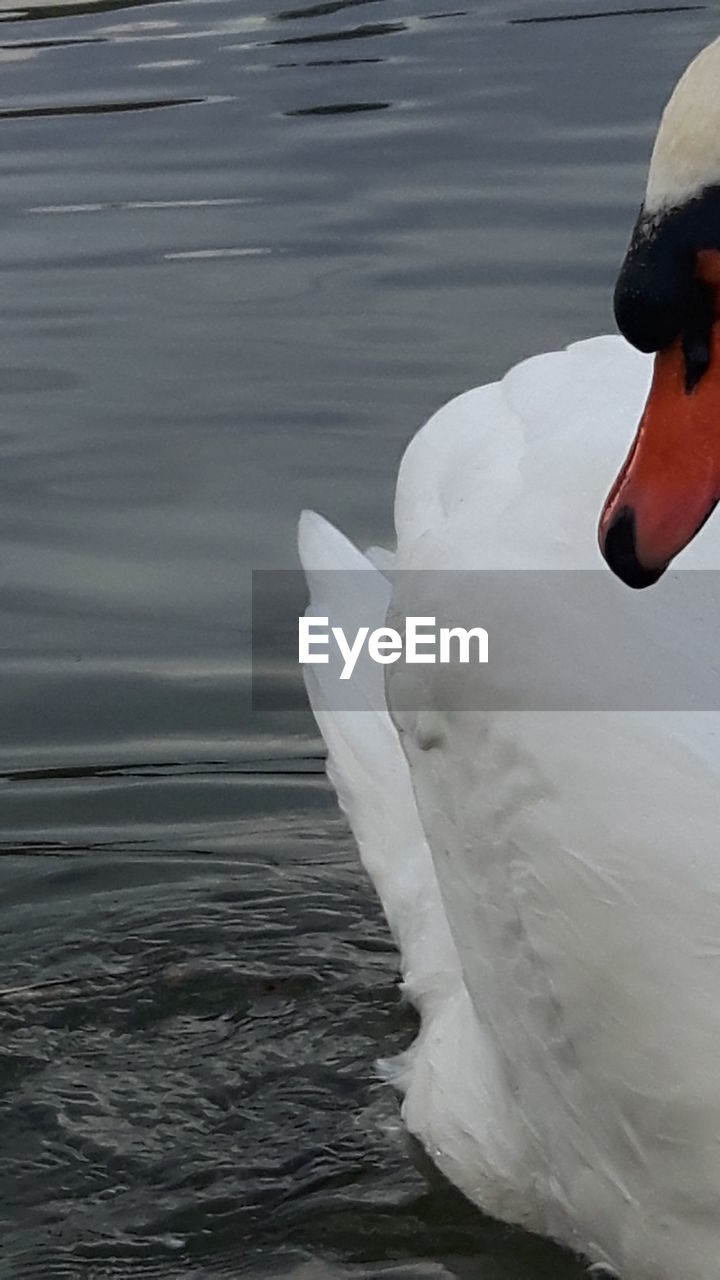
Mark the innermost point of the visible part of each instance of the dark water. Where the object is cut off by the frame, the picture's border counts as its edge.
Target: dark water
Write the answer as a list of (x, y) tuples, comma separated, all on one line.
[(243, 255)]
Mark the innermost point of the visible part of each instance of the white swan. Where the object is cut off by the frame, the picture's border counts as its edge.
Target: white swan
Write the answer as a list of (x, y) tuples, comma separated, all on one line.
[(552, 879)]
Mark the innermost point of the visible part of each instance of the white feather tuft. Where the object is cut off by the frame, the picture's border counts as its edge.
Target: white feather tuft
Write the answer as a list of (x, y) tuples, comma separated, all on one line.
[(686, 156)]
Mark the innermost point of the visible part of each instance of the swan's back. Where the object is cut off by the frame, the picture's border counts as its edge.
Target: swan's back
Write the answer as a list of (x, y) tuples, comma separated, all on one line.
[(523, 463)]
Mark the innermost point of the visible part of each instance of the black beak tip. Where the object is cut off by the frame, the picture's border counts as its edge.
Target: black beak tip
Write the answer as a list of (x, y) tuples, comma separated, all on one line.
[(618, 548)]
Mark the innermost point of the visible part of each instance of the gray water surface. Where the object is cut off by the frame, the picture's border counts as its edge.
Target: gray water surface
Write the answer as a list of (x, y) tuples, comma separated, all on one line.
[(243, 255)]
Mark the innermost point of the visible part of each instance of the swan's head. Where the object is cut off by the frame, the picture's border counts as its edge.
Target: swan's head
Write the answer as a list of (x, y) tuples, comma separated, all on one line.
[(667, 300)]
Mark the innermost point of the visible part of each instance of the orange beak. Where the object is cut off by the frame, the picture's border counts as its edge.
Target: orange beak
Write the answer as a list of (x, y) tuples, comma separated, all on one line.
[(670, 481)]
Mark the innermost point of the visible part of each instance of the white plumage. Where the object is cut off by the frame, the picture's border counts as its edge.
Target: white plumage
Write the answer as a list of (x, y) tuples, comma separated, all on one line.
[(562, 943), (686, 156)]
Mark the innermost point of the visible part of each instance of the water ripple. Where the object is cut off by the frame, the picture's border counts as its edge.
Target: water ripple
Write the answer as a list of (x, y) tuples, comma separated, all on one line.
[(332, 62), (321, 10), (95, 108), (608, 13), (39, 12), (196, 255), (339, 109), (133, 206), (353, 33)]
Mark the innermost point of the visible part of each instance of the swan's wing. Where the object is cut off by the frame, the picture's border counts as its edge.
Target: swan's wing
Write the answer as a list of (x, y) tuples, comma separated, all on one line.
[(577, 854), (368, 769), (457, 1101)]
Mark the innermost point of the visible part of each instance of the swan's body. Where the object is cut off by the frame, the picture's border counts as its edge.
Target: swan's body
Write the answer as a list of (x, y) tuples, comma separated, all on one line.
[(552, 879)]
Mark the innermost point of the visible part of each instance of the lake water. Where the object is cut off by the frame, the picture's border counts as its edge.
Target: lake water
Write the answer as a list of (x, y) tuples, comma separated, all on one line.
[(244, 255)]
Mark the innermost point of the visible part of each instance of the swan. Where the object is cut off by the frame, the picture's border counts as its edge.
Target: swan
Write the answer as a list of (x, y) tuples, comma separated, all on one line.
[(552, 877)]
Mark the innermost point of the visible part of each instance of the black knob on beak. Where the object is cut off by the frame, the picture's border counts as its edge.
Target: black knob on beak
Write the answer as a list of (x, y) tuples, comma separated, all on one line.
[(618, 548)]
